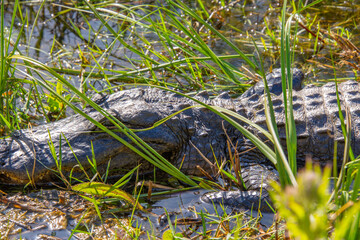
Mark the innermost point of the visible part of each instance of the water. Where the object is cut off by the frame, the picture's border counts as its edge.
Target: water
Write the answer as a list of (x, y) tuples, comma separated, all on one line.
[(57, 213), (187, 206), (56, 42)]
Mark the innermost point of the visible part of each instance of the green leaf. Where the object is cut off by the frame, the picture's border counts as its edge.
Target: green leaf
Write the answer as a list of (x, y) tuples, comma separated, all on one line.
[(106, 190)]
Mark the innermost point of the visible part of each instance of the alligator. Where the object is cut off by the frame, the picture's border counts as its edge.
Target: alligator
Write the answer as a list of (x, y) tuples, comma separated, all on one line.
[(188, 137)]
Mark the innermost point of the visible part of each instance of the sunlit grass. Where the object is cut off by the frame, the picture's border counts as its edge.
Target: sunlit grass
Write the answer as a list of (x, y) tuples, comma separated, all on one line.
[(180, 57)]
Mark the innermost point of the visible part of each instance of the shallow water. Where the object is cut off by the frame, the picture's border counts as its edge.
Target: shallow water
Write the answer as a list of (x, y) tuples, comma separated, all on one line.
[(54, 40), (56, 213), (187, 205)]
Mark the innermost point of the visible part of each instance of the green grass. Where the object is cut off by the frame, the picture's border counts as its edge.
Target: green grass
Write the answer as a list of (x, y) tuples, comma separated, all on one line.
[(179, 58)]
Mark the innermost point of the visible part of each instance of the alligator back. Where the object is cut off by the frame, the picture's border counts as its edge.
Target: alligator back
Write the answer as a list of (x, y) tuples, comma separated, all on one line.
[(316, 116)]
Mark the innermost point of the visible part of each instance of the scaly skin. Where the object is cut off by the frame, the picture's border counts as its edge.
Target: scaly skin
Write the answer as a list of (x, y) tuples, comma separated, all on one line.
[(315, 112), (318, 125), (138, 109)]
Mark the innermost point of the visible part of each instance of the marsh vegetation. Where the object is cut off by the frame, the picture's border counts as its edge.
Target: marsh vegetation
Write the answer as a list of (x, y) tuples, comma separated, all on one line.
[(55, 55)]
